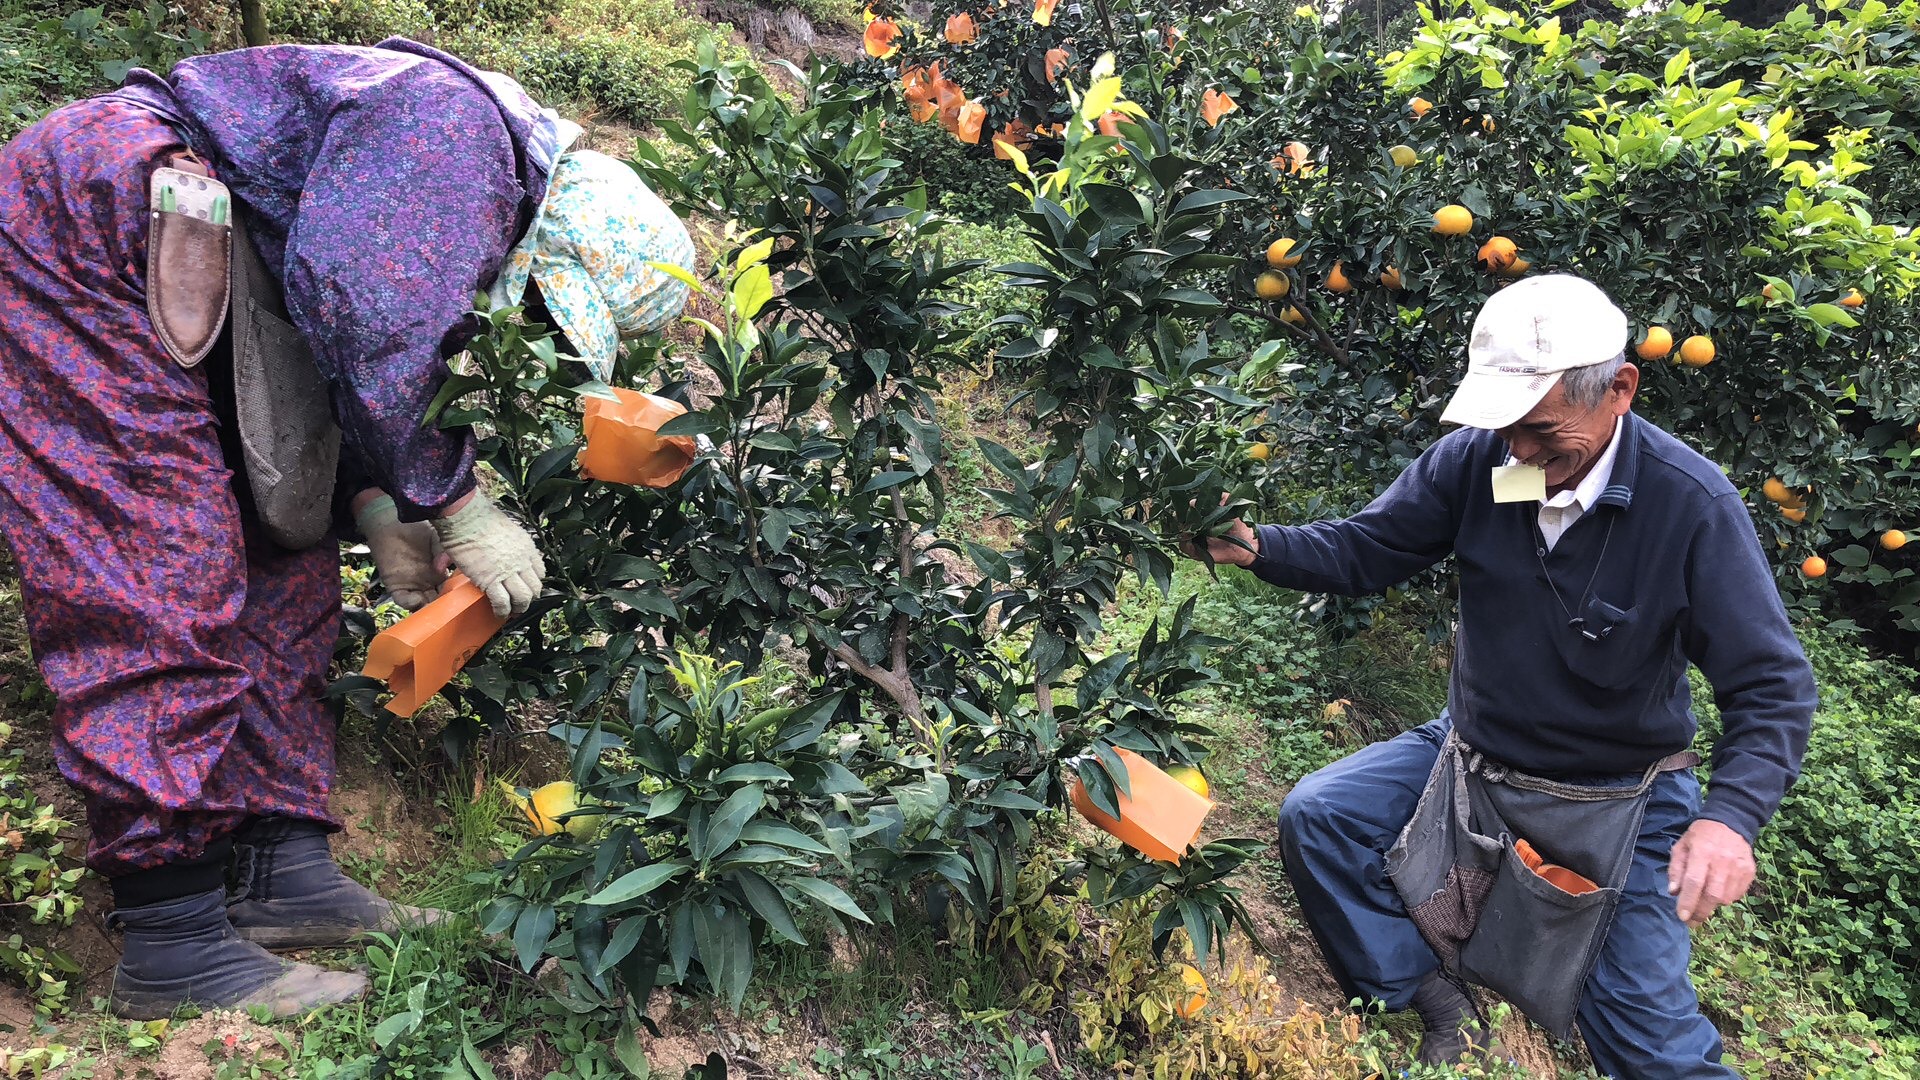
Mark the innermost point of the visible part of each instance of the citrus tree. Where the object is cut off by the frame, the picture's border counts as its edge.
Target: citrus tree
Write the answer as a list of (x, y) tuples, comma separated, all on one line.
[(945, 691), (1745, 193)]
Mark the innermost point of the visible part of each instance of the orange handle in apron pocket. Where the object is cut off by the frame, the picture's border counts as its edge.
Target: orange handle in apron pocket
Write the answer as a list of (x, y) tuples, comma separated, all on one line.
[(424, 651), (1160, 819), (624, 444), (1557, 876)]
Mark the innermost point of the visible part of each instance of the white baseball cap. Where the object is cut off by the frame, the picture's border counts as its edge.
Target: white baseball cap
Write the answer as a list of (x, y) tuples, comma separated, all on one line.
[(1526, 336)]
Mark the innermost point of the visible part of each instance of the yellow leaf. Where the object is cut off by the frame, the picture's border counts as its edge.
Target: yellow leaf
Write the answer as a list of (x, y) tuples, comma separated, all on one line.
[(754, 256), (1100, 98), (680, 273), (1014, 154)]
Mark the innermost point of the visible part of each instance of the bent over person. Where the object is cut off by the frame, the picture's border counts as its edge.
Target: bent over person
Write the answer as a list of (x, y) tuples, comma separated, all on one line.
[(227, 298), (1546, 836)]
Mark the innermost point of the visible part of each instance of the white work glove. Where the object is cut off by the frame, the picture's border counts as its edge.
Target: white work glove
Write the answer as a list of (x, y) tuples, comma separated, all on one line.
[(404, 553), (494, 552)]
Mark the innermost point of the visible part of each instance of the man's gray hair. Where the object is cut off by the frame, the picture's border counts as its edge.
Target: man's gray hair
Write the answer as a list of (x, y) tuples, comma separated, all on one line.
[(1587, 386)]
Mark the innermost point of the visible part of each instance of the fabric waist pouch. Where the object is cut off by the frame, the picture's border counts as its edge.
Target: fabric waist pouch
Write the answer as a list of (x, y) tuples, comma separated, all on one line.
[(203, 277), (1513, 880)]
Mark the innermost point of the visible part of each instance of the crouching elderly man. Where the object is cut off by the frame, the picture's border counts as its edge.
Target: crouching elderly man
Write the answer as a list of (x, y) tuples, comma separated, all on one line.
[(1545, 836)]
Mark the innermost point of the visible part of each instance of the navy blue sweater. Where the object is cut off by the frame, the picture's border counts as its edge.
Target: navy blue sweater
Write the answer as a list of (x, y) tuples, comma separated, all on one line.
[(1682, 579)]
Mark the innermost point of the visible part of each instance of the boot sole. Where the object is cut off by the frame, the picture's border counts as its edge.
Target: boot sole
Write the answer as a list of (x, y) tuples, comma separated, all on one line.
[(336, 936), (163, 1005), (295, 938)]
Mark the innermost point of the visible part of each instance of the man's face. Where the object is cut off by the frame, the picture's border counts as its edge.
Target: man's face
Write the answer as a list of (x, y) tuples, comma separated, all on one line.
[(1566, 439)]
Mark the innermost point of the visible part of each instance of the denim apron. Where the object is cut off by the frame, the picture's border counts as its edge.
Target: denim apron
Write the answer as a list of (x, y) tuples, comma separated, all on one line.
[(1489, 916)]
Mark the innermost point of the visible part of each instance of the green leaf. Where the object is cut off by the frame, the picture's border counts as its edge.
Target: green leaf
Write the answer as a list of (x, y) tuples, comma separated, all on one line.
[(773, 832), (805, 726), (636, 883), (1206, 200), (1830, 315), (769, 904), (626, 1050), (754, 770), (922, 801), (890, 478), (1114, 206), (393, 1027), (531, 932), (1099, 679), (1852, 556), (725, 943), (693, 423), (827, 893), (727, 822)]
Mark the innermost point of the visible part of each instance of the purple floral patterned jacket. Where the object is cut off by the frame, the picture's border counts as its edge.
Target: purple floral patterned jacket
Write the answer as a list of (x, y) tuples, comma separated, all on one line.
[(386, 186)]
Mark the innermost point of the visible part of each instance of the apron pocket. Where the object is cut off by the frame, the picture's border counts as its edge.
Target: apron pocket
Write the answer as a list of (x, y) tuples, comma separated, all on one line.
[(1535, 944)]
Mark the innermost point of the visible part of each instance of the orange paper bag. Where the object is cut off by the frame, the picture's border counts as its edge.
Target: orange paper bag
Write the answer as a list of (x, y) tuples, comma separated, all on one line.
[(1559, 877), (624, 444), (1159, 819), (424, 651)]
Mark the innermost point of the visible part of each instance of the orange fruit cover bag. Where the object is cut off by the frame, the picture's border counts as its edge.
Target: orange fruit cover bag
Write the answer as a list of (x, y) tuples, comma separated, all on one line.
[(1159, 819), (424, 651), (624, 444)]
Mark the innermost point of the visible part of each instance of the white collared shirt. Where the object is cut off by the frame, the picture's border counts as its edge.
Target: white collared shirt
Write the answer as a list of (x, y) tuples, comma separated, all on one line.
[(1559, 512)]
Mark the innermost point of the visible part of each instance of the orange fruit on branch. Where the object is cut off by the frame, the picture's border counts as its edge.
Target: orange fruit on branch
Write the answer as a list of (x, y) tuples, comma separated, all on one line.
[(1194, 779), (1337, 280), (1420, 106), (1272, 285), (1656, 345), (1853, 299), (1453, 220), (1390, 277), (1794, 514), (1697, 351), (1278, 257), (1498, 253), (1814, 567), (1893, 539)]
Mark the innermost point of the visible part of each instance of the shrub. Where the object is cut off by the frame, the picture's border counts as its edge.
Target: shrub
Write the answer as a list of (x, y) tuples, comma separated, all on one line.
[(349, 22), (1837, 895)]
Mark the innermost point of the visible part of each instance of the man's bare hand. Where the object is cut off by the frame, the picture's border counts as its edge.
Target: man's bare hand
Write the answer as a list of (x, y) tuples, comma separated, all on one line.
[(1712, 866), (1222, 549)]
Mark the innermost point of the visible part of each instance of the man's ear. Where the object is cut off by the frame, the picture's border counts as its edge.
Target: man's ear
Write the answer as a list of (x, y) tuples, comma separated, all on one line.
[(1626, 383)]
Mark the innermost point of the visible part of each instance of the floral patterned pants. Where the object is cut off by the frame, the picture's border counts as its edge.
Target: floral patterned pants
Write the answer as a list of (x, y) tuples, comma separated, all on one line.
[(185, 651)]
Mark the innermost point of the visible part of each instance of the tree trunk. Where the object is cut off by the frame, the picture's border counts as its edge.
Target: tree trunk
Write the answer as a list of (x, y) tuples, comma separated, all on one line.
[(253, 21)]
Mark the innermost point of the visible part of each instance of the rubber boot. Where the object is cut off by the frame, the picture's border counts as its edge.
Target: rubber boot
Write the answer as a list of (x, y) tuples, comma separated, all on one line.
[(183, 951), (290, 894), (1451, 1025)]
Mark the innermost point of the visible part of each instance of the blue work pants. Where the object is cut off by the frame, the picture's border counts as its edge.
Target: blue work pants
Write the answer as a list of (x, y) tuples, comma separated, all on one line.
[(1640, 1016)]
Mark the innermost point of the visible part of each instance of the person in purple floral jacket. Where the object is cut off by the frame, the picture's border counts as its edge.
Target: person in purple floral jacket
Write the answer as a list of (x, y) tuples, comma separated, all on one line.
[(187, 652)]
